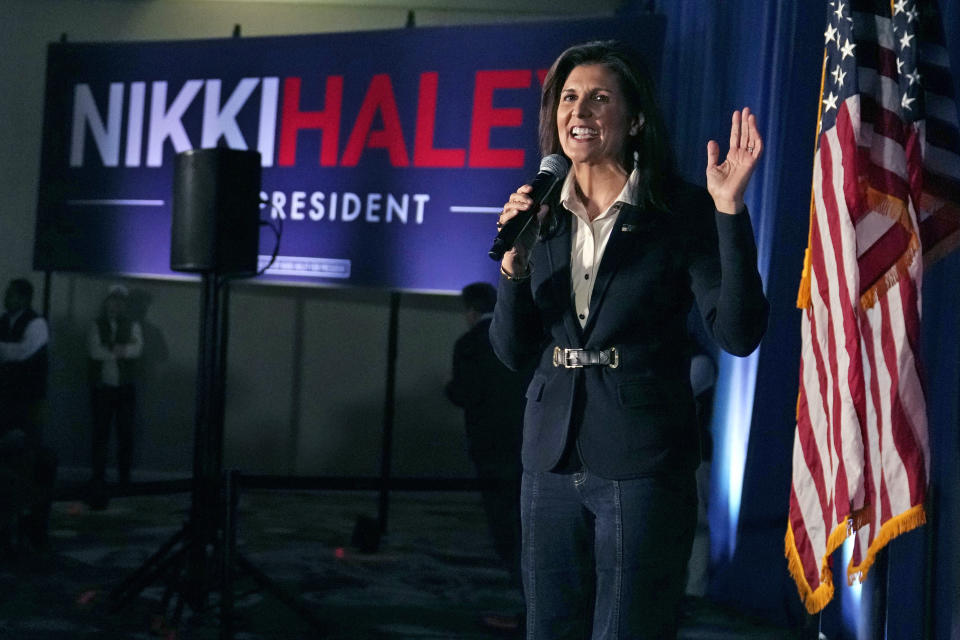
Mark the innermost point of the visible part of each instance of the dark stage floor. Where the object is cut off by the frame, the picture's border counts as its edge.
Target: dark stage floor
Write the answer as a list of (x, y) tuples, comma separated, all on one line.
[(433, 577)]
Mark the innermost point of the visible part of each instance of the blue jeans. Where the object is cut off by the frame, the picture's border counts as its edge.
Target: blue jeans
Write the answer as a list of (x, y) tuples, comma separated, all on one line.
[(605, 559)]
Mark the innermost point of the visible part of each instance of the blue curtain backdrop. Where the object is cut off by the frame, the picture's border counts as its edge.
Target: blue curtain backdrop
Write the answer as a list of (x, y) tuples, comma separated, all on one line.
[(720, 56)]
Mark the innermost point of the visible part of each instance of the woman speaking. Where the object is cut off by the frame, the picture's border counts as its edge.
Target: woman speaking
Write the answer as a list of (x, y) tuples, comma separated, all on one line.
[(598, 293)]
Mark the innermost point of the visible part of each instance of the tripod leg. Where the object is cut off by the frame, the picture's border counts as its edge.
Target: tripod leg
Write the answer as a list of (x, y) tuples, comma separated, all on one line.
[(135, 587), (178, 609), (228, 548), (190, 570), (171, 577), (173, 580), (279, 593), (135, 582)]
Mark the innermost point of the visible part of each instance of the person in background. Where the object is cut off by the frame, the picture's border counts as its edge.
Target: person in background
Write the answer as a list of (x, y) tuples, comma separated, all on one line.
[(114, 344), (492, 400), (24, 336), (23, 362), (703, 379)]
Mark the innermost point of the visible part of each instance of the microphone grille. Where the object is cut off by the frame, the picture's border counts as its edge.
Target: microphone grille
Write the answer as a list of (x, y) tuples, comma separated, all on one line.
[(555, 164)]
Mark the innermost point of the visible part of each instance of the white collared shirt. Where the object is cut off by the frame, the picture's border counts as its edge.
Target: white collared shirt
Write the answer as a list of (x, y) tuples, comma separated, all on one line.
[(589, 239)]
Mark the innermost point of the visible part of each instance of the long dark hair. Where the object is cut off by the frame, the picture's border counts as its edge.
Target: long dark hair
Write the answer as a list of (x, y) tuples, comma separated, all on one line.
[(649, 150)]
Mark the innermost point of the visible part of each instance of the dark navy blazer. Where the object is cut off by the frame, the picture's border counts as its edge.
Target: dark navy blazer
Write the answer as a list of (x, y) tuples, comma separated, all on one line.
[(639, 418)]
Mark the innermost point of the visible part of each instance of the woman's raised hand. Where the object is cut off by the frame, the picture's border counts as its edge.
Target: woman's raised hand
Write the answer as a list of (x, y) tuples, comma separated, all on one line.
[(728, 180)]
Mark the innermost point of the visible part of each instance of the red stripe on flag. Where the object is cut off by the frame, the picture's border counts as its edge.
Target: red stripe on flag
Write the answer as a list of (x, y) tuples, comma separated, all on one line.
[(849, 160), (886, 60), (908, 449), (936, 229), (910, 301), (808, 557), (940, 186), (943, 223), (884, 121), (874, 427), (882, 254), (914, 154), (886, 511), (880, 179), (806, 436), (841, 500)]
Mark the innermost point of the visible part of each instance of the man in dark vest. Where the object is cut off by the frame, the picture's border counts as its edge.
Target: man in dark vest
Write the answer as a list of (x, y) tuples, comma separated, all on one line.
[(114, 342), (23, 362), (492, 398), (23, 385)]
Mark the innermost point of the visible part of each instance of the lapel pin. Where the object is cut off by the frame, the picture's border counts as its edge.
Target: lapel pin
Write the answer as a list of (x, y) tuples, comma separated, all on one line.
[(628, 228)]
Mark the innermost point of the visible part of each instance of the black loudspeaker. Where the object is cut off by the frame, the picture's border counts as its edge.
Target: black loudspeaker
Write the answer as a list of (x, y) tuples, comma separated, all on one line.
[(216, 211)]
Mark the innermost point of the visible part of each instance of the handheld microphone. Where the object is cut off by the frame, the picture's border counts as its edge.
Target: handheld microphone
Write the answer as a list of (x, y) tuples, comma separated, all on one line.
[(553, 169)]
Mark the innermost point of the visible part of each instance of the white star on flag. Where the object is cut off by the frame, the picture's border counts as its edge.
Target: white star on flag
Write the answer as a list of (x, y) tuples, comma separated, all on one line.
[(839, 11), (838, 76), (830, 102), (847, 49), (830, 34)]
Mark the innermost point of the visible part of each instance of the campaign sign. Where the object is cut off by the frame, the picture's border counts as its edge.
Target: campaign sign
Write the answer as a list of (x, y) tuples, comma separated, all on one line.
[(386, 155)]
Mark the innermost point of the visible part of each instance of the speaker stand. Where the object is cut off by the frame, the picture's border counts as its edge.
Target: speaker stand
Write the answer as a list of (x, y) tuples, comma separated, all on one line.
[(201, 558)]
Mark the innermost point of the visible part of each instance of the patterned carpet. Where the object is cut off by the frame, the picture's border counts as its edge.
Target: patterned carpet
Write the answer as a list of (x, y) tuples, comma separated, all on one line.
[(433, 577)]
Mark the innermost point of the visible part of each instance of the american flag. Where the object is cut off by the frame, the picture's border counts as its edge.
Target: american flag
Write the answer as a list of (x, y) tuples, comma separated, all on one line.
[(886, 193)]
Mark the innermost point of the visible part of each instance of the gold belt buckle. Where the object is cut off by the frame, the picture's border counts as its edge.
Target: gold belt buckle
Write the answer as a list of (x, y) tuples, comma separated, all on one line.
[(561, 358)]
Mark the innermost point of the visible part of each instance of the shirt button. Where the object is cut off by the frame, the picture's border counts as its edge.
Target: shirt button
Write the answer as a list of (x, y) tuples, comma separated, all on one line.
[(582, 316), (586, 276)]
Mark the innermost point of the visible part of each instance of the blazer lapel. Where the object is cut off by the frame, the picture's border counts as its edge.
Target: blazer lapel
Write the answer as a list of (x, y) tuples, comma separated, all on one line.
[(631, 223), (558, 256)]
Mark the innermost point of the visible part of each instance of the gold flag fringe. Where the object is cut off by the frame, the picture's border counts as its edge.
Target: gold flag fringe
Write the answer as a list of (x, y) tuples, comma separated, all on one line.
[(896, 209), (813, 599), (909, 520), (803, 294)]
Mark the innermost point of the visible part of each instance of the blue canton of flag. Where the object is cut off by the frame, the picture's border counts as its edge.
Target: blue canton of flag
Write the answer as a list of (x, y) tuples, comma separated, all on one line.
[(841, 63)]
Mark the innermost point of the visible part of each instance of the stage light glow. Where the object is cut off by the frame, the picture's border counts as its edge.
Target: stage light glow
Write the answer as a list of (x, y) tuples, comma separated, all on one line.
[(849, 594), (734, 398), (733, 411)]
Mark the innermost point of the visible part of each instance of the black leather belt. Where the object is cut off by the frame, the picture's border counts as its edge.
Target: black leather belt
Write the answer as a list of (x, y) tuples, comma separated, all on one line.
[(577, 358)]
